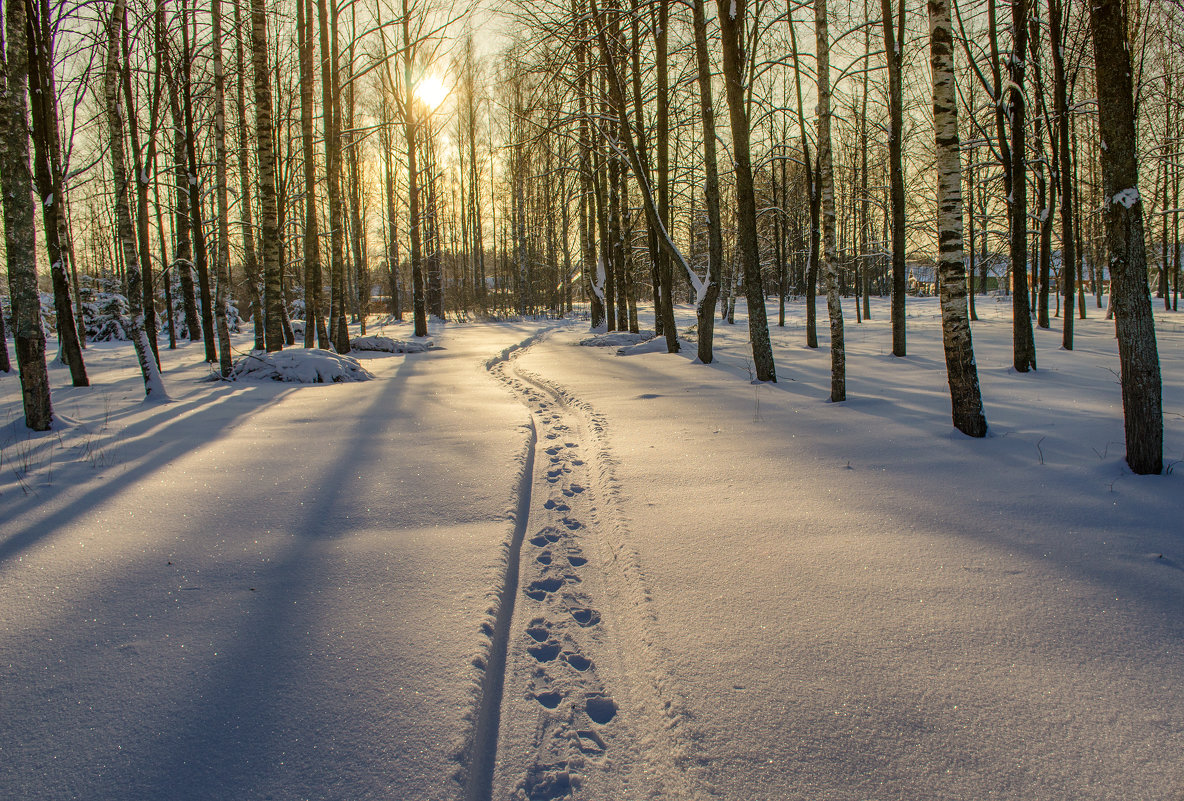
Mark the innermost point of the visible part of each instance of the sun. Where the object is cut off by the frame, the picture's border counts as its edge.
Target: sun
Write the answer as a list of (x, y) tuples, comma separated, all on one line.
[(431, 91)]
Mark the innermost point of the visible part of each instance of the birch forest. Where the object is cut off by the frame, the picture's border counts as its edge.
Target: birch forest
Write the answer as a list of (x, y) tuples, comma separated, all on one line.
[(291, 167)]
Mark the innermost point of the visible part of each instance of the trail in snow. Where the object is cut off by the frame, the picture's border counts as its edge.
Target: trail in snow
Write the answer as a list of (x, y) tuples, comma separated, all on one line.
[(585, 704)]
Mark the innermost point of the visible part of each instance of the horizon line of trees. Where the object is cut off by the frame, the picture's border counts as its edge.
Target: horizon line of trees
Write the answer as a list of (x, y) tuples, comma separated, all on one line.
[(291, 157)]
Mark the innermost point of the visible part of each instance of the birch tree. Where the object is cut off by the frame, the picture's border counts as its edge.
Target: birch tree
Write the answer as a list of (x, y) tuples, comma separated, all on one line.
[(16, 182), (829, 271), (116, 27), (965, 397)]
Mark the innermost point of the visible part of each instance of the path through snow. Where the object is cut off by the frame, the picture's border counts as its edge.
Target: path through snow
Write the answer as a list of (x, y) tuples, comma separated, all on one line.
[(586, 707)]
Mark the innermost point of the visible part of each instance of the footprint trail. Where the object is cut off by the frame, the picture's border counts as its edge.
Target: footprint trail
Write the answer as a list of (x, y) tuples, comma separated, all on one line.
[(586, 711)]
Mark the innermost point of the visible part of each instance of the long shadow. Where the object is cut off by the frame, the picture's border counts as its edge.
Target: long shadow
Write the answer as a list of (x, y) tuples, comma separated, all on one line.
[(164, 449), (916, 413), (232, 737)]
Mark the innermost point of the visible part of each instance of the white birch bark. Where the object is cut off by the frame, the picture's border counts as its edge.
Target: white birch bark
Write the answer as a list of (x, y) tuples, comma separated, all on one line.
[(965, 397), (19, 228), (829, 263), (153, 383)]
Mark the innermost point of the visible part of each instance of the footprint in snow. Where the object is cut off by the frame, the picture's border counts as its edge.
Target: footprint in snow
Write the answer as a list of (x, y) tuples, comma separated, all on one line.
[(551, 782), (539, 629), (545, 652), (585, 616), (590, 742), (577, 661), (550, 699), (600, 708), (538, 590)]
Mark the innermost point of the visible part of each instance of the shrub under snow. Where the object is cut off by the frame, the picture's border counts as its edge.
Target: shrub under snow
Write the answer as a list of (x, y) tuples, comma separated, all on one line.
[(300, 366), (388, 345)]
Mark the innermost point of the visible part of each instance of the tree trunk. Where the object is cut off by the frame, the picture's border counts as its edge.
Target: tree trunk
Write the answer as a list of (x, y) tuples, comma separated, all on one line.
[(810, 179), (201, 258), (183, 250), (268, 211), (588, 195), (153, 385), (705, 313), (1061, 111), (142, 162), (829, 264), (48, 173), (19, 228), (1023, 344), (732, 18), (965, 397), (222, 254), (1123, 217), (246, 196), (410, 129), (313, 325), (894, 56), (662, 134)]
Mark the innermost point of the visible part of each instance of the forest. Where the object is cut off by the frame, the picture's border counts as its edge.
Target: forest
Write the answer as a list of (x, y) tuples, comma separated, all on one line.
[(599, 399), (224, 165)]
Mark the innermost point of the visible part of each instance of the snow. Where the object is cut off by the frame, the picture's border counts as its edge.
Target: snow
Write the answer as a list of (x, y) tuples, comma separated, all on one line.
[(1127, 197), (617, 339), (300, 366), (725, 589), (388, 345)]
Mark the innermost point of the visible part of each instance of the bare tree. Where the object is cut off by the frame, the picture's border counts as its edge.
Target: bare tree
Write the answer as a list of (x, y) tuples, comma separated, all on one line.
[(265, 147), (733, 17), (894, 58), (1130, 296), (16, 182), (50, 177), (965, 397), (116, 29), (715, 244), (222, 254), (838, 351)]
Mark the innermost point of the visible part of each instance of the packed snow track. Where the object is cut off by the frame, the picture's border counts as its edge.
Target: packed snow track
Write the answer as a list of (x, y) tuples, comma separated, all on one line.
[(582, 706)]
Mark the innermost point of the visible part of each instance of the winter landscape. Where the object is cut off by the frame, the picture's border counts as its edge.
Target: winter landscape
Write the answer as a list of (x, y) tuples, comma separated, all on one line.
[(591, 401), (720, 589)]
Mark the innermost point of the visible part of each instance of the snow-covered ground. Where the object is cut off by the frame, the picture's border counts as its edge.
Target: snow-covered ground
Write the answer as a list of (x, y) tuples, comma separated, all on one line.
[(264, 590)]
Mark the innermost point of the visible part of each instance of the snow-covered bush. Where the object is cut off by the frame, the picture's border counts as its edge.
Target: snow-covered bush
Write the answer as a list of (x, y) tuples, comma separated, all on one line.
[(104, 309), (48, 318), (388, 345), (616, 339), (300, 366)]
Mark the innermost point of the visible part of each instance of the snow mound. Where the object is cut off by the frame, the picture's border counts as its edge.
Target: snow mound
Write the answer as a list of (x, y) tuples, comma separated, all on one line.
[(388, 345), (655, 345), (300, 366), (617, 339)]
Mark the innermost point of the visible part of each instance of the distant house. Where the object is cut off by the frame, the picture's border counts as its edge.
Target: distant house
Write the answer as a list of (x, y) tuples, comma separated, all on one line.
[(921, 279)]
